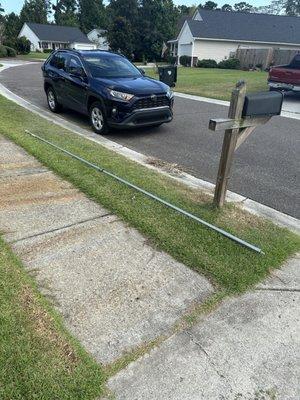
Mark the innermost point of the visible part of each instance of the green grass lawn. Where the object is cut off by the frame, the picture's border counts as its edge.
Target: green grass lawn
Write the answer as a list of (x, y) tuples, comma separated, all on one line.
[(228, 265), (34, 56), (215, 83), (38, 358)]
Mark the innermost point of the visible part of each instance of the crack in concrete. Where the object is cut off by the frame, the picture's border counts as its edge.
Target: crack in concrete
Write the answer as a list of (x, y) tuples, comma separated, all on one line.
[(209, 359), (60, 228), (25, 173), (278, 289)]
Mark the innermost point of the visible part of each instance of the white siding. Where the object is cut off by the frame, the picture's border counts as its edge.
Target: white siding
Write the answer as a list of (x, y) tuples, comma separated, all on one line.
[(185, 42), (30, 35), (218, 50), (197, 16)]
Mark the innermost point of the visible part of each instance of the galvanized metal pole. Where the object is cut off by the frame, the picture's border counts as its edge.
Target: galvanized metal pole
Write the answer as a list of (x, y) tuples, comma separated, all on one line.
[(152, 196)]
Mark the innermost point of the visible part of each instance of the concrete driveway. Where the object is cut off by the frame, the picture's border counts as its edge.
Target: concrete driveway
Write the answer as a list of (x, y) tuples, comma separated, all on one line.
[(266, 167)]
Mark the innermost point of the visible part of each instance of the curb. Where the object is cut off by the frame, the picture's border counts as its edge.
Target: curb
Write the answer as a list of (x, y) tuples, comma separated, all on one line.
[(247, 204)]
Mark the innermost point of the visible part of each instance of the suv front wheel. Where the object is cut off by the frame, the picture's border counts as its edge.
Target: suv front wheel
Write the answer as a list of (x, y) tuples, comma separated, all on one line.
[(98, 119), (52, 101)]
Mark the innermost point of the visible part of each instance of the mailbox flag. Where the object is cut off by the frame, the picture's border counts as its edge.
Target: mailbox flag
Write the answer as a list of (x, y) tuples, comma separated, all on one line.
[(164, 49)]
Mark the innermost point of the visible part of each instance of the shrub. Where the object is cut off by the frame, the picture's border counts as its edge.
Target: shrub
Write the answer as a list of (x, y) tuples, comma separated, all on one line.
[(185, 61), (48, 50), (10, 43), (207, 63), (22, 45), (231, 63), (172, 60), (3, 51), (11, 52)]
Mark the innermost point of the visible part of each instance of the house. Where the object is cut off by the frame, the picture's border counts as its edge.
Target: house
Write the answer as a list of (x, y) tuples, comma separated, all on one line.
[(98, 37), (216, 34), (55, 37)]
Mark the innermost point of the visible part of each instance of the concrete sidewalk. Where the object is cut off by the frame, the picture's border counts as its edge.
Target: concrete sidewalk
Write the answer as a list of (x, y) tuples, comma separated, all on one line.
[(116, 293), (114, 290), (249, 348)]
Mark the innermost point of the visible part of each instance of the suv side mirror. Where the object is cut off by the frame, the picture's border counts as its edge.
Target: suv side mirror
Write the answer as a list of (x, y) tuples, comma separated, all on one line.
[(77, 71), (142, 71)]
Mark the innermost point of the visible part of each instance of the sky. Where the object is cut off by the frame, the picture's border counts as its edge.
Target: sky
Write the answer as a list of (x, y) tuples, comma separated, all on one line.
[(16, 5)]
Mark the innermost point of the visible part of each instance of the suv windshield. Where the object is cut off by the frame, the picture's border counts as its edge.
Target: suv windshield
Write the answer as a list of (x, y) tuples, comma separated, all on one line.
[(105, 66)]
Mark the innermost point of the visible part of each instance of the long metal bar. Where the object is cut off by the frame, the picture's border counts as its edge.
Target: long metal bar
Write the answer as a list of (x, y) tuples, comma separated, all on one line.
[(151, 195)]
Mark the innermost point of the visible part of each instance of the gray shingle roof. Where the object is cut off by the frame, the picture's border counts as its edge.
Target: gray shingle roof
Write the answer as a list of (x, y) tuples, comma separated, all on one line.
[(246, 26), (57, 33)]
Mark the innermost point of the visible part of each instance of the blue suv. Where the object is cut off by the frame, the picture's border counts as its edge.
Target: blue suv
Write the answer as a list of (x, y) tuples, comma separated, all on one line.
[(107, 87)]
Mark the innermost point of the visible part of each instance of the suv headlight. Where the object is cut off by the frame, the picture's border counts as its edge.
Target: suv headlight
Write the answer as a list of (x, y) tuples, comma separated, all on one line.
[(120, 95), (170, 93)]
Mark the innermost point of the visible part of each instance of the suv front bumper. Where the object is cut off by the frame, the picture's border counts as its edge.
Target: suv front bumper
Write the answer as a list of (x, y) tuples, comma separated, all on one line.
[(144, 117)]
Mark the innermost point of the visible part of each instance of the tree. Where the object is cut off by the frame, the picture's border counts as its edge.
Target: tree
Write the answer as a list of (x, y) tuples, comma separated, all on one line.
[(128, 9), (226, 7), (276, 7), (12, 27), (292, 7), (22, 45), (123, 15), (186, 10), (120, 36), (65, 12), (243, 7), (2, 26), (35, 11), (158, 22), (209, 5), (91, 14)]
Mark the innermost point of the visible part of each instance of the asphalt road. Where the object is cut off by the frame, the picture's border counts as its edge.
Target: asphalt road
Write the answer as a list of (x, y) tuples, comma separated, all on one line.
[(266, 167)]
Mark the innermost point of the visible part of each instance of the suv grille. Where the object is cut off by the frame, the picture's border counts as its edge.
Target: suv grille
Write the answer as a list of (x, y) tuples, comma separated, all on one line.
[(158, 101)]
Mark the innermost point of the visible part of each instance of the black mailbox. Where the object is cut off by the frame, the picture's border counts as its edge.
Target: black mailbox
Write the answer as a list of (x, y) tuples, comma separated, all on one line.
[(168, 74), (262, 103)]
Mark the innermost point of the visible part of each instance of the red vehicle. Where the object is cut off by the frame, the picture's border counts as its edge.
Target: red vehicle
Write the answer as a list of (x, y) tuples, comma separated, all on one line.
[(286, 77)]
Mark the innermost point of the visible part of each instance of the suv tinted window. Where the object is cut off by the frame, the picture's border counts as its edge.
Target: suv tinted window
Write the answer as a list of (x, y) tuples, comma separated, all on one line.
[(59, 61), (110, 66), (74, 64)]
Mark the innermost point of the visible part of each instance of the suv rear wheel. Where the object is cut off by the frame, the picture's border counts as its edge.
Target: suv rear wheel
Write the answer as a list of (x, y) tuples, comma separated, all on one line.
[(98, 119), (52, 101)]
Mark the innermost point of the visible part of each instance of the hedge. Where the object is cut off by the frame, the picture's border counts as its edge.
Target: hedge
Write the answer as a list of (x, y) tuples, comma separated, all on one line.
[(3, 51), (11, 52), (207, 63), (230, 63), (185, 61)]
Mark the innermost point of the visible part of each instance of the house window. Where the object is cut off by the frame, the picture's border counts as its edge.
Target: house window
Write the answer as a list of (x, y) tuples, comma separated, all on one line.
[(45, 45)]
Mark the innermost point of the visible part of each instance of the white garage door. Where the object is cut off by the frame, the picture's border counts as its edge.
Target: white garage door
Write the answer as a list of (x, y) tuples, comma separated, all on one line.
[(84, 46)]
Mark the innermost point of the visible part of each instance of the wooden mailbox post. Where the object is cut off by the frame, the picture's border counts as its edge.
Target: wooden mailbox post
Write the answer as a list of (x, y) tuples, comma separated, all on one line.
[(237, 128)]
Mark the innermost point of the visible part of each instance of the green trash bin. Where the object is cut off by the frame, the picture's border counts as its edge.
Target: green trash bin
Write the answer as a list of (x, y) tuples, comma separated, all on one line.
[(168, 74)]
